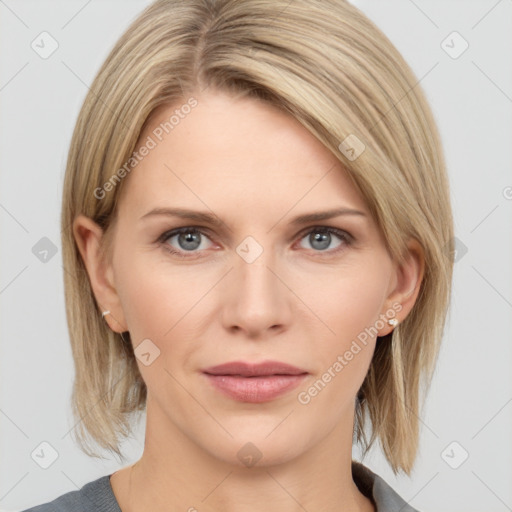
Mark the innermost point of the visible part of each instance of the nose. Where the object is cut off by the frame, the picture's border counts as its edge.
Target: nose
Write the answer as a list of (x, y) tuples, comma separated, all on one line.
[(258, 300)]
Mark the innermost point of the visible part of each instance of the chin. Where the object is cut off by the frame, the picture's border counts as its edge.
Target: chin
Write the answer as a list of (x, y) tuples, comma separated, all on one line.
[(251, 448)]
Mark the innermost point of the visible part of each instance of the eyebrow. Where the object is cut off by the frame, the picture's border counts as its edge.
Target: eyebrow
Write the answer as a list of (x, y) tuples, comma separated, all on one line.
[(212, 219)]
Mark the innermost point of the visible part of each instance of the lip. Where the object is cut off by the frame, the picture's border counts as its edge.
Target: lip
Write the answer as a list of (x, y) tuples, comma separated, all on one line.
[(255, 383), (254, 369)]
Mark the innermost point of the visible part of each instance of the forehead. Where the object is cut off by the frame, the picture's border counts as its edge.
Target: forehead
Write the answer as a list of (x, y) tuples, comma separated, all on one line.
[(238, 152)]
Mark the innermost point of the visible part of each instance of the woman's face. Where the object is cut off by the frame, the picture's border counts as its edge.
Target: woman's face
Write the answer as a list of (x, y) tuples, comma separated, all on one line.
[(254, 284)]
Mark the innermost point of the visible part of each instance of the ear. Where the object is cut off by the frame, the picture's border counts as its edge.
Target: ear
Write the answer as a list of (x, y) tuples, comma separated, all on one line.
[(88, 236), (407, 278)]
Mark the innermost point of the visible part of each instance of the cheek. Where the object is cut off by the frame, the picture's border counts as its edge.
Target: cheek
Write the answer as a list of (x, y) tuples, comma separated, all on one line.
[(157, 303), (350, 301), (350, 306), (145, 303), (155, 294), (164, 303)]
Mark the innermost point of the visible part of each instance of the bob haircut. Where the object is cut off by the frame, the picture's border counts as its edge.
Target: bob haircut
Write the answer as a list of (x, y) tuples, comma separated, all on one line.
[(327, 65)]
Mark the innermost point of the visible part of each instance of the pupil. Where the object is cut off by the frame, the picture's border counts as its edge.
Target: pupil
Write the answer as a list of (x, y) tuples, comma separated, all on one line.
[(190, 240), (323, 240)]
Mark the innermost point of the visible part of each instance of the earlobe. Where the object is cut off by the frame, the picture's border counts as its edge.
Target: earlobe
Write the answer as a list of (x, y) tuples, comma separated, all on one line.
[(409, 277), (88, 236)]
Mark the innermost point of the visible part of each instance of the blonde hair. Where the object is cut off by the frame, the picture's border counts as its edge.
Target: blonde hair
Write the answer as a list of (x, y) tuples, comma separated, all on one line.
[(327, 65)]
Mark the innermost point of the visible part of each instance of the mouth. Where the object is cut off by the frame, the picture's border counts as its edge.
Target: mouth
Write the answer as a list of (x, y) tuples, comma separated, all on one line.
[(254, 383), (243, 369)]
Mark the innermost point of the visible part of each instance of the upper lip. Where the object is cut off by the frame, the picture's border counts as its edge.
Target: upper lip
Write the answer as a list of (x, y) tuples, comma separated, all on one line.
[(246, 369)]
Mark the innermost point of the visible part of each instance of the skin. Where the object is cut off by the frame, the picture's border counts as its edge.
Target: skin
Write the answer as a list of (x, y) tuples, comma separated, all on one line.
[(255, 168)]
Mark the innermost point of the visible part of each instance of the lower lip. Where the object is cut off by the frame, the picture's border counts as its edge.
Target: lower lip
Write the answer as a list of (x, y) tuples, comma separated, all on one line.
[(255, 389)]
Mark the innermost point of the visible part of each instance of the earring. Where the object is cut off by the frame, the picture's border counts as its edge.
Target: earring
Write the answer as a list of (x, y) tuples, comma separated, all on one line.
[(393, 322), (121, 334)]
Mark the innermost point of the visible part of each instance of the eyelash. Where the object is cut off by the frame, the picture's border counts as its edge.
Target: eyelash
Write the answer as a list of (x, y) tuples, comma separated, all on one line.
[(345, 237)]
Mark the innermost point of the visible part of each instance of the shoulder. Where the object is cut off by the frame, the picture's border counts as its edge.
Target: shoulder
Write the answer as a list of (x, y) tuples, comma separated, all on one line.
[(95, 496), (384, 497)]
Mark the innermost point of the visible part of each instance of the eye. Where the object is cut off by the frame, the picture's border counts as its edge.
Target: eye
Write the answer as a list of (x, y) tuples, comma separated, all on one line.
[(321, 237), (187, 239)]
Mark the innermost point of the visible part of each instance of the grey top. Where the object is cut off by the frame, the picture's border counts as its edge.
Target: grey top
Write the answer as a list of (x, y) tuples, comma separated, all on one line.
[(97, 496)]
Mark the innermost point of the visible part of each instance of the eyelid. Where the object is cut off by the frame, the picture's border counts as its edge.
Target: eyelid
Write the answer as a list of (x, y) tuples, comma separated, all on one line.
[(170, 233), (342, 233)]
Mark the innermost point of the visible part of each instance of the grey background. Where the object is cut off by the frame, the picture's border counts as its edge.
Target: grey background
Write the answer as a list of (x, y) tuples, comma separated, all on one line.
[(470, 399)]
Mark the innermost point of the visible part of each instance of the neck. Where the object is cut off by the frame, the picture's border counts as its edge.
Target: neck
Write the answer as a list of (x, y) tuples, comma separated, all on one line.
[(174, 472)]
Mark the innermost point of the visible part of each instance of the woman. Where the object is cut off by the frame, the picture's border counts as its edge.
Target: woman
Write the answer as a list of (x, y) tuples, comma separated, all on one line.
[(257, 242)]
